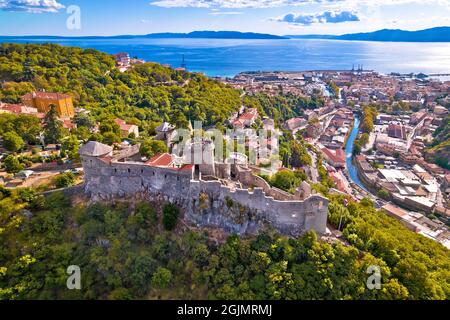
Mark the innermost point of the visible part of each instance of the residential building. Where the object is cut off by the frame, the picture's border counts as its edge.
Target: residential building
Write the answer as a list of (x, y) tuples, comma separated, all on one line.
[(42, 101), (127, 129), (336, 158)]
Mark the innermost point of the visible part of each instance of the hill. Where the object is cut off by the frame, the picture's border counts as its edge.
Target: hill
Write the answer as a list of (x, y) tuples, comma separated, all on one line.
[(438, 34), (126, 252), (439, 152), (146, 95), (167, 35)]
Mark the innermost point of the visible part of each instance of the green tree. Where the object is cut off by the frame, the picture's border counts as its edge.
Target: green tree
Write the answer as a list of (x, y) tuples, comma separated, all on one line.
[(12, 141), (383, 194), (170, 216), (12, 164), (84, 120), (149, 148), (53, 127), (300, 156), (110, 138), (161, 278), (70, 146), (286, 180), (356, 148), (364, 139), (65, 180)]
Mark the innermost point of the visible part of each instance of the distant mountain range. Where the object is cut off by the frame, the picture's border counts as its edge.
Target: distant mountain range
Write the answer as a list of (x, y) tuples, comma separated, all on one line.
[(439, 34), (168, 35)]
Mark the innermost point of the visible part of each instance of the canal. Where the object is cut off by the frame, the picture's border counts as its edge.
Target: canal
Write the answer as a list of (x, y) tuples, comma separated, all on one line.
[(351, 168)]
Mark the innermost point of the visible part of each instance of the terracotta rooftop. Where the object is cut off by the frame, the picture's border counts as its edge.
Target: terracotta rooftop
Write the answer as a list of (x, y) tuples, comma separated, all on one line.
[(46, 95), (166, 160), (395, 210), (123, 125), (337, 155), (248, 116), (160, 160)]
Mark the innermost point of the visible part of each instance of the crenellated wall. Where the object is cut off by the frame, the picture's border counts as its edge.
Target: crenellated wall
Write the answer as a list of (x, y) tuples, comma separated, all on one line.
[(206, 203)]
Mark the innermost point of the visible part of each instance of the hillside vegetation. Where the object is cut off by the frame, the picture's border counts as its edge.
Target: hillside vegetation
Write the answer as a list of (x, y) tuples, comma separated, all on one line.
[(125, 252), (439, 152), (147, 93)]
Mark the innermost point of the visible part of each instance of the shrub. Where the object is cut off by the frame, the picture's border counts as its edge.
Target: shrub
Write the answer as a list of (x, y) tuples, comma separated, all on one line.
[(12, 164), (170, 216), (65, 180), (161, 278), (12, 141), (383, 194)]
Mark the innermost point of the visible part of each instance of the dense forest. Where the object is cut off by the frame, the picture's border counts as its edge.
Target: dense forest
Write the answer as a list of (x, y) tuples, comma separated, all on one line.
[(148, 93), (134, 251), (439, 151)]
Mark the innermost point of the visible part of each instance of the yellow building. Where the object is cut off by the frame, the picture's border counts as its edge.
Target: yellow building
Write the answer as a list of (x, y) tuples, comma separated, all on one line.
[(43, 100)]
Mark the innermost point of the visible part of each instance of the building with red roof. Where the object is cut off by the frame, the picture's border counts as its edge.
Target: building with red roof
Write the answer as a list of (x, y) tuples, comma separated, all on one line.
[(336, 158), (166, 160), (42, 101), (127, 129)]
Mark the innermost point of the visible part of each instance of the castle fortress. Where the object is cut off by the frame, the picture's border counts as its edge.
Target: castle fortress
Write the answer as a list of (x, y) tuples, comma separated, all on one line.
[(225, 195)]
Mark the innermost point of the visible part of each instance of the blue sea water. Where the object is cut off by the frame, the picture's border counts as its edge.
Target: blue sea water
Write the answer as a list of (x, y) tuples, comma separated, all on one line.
[(219, 57)]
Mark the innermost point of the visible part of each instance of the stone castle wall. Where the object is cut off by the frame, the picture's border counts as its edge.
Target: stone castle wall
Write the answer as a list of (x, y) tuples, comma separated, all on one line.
[(205, 203)]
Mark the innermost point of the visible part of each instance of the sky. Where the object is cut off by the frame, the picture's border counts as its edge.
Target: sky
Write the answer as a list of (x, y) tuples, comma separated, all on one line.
[(280, 17)]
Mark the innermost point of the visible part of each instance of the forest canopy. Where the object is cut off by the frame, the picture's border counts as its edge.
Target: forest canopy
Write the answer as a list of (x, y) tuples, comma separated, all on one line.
[(149, 91)]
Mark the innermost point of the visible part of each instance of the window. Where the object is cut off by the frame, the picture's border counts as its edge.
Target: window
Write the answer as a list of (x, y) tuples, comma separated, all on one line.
[(115, 170), (129, 170)]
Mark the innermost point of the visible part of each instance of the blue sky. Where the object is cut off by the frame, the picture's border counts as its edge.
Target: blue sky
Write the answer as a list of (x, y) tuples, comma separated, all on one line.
[(112, 17)]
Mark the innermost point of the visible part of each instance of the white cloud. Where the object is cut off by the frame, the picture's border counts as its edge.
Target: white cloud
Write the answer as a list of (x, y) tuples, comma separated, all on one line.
[(324, 17), (32, 6), (220, 13), (229, 3), (283, 3)]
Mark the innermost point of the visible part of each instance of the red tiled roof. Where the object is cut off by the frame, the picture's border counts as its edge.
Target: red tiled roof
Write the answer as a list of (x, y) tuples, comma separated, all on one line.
[(160, 160), (166, 160), (69, 124), (122, 55), (247, 116), (238, 122), (123, 125), (337, 156), (186, 167), (46, 95), (14, 108)]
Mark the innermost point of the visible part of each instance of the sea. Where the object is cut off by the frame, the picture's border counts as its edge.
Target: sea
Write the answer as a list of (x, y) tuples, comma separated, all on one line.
[(228, 57)]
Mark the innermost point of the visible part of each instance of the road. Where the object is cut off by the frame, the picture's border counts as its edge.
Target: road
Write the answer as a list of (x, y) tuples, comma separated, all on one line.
[(313, 167)]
